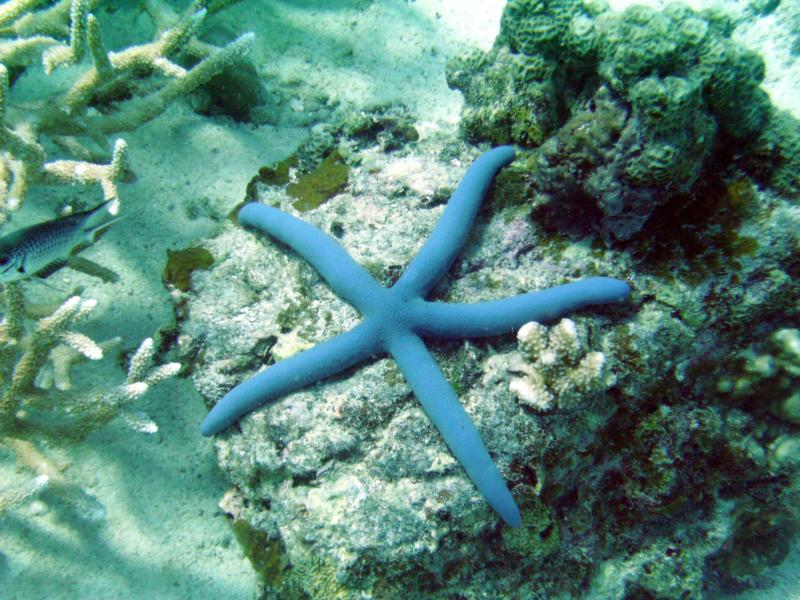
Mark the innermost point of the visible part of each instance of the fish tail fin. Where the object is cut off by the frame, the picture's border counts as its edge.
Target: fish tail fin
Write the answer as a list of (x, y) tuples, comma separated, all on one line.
[(99, 219)]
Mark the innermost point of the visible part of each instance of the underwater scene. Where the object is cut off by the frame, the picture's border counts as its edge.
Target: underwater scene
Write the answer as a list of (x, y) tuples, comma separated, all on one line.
[(399, 299)]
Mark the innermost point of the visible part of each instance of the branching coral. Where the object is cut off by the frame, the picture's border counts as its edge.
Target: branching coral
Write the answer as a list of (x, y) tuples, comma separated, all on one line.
[(63, 413), (61, 35), (36, 354), (556, 370)]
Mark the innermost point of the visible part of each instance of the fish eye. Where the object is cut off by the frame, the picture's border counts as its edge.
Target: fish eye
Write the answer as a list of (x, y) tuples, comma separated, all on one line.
[(4, 259)]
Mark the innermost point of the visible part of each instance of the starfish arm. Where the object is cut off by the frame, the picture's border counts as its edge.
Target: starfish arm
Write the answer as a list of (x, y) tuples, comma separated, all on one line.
[(440, 319), (448, 416), (345, 276), (321, 361), (438, 253)]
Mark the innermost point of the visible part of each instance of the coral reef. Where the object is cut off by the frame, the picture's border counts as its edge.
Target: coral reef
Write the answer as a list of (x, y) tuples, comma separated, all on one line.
[(768, 379), (640, 477), (85, 93), (382, 332), (626, 109), (52, 346), (73, 75), (652, 448)]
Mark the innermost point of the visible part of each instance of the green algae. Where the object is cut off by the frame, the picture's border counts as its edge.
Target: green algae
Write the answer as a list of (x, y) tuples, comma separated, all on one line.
[(511, 187), (704, 233), (539, 535), (182, 263), (292, 315), (320, 185), (277, 175), (265, 554), (310, 190)]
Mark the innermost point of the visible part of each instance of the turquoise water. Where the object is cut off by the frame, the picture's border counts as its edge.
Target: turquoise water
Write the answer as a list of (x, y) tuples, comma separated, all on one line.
[(650, 444)]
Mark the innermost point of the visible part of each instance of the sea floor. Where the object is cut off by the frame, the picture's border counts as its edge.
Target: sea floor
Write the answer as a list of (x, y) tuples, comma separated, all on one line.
[(149, 526)]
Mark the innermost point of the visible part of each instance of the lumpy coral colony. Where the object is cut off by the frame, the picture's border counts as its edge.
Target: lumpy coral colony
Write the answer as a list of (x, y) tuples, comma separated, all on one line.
[(627, 108), (650, 445)]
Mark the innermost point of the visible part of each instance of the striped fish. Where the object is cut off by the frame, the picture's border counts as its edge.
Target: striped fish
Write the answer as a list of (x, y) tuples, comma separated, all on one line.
[(40, 250)]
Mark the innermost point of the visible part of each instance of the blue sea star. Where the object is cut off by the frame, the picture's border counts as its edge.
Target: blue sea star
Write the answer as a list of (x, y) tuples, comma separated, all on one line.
[(396, 319)]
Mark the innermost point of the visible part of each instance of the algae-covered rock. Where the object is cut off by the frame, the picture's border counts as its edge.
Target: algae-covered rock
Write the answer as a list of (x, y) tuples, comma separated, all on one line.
[(767, 376), (509, 98), (539, 534), (761, 538), (634, 488), (310, 189), (319, 168)]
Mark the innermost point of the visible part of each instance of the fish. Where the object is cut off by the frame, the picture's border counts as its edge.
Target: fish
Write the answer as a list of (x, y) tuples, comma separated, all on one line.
[(42, 249)]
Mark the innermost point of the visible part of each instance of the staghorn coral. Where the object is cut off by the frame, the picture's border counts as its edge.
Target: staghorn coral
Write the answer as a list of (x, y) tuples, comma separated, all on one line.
[(59, 36), (51, 345), (39, 402), (24, 355), (556, 371), (28, 412)]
